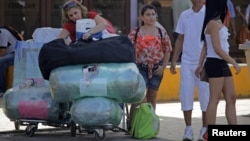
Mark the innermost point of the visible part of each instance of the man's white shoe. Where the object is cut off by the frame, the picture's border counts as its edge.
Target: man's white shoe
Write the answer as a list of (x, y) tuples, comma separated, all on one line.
[(202, 132), (188, 135)]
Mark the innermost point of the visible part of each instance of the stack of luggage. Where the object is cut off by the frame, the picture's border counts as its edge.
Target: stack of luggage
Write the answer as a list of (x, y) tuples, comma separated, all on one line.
[(95, 76), (87, 80), (30, 100)]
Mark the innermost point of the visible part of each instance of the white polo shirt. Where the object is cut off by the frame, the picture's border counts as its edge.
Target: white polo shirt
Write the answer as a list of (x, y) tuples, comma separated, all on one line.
[(7, 40), (190, 25)]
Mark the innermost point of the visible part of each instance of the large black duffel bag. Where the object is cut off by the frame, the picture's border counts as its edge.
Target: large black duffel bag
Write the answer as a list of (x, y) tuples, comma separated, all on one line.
[(117, 49)]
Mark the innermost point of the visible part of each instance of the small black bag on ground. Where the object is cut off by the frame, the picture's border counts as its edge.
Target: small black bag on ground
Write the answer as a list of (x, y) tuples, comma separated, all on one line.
[(56, 53)]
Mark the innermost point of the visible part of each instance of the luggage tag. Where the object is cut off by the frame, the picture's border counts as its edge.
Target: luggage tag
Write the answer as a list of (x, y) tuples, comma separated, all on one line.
[(89, 73), (92, 84), (26, 84)]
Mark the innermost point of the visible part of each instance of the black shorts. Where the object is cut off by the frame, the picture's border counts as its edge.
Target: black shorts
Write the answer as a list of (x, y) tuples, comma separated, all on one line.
[(217, 68)]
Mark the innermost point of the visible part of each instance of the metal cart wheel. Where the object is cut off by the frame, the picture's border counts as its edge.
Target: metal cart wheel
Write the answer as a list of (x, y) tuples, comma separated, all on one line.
[(30, 130), (73, 128), (99, 134), (17, 125)]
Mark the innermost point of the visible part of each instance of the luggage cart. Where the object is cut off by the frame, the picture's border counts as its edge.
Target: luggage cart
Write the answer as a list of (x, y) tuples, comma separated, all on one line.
[(32, 125), (99, 131)]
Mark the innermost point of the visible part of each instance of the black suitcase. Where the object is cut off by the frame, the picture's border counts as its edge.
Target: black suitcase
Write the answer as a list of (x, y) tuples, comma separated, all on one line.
[(56, 53)]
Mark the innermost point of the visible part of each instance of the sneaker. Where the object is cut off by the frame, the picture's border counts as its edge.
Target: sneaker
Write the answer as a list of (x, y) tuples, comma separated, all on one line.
[(202, 132), (188, 135)]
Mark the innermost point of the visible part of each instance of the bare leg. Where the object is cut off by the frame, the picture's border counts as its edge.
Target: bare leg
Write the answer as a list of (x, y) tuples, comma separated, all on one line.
[(151, 97), (188, 117), (131, 113), (230, 97), (204, 119), (215, 87)]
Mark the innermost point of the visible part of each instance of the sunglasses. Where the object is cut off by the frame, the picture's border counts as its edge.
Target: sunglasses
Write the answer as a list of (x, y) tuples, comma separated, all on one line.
[(69, 5)]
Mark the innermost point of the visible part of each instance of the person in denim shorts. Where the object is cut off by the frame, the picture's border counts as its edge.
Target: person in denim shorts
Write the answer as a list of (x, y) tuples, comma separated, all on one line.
[(153, 47), (155, 81)]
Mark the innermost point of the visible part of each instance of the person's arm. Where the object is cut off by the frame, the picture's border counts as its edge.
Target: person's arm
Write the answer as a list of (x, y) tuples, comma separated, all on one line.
[(238, 9), (177, 51), (2, 51), (162, 67), (201, 60), (131, 35), (101, 24), (203, 54), (168, 50), (64, 34), (3, 42), (213, 29), (166, 58), (166, 43)]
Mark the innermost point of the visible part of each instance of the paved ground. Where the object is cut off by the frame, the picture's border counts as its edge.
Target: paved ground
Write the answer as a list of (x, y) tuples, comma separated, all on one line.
[(172, 125)]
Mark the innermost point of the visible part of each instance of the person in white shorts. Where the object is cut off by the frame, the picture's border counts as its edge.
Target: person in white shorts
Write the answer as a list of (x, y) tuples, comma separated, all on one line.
[(188, 42)]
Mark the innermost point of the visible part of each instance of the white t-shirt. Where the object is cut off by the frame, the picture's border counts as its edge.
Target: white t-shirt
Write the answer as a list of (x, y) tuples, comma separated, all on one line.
[(7, 40), (190, 25)]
